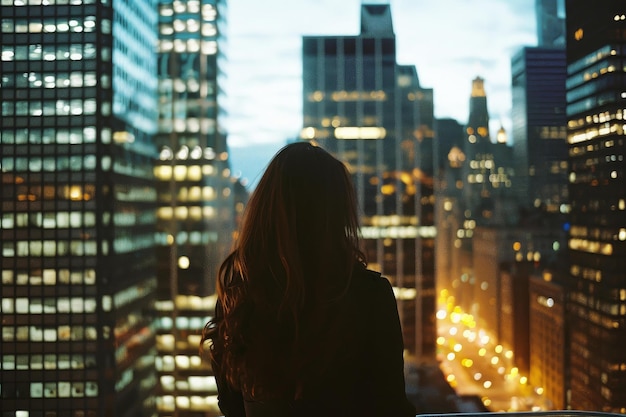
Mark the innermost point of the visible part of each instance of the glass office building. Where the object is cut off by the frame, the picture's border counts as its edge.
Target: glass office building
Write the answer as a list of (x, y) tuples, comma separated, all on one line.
[(78, 86), (539, 128), (196, 198), (372, 114), (596, 53)]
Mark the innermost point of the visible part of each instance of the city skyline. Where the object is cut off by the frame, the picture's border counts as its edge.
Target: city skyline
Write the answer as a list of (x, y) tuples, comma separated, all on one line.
[(265, 104), (119, 201)]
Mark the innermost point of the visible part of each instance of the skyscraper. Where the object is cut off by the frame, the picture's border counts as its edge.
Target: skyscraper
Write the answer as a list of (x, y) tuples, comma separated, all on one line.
[(550, 23), (373, 115), (78, 86), (487, 170), (539, 146), (195, 198), (448, 200), (539, 122), (597, 190)]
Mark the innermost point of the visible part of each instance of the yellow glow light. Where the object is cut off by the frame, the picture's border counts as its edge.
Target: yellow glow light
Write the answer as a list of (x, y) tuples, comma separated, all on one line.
[(352, 132)]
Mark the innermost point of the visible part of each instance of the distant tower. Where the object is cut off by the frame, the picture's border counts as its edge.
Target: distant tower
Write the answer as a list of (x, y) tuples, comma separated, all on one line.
[(479, 154), (597, 176), (373, 115), (478, 122)]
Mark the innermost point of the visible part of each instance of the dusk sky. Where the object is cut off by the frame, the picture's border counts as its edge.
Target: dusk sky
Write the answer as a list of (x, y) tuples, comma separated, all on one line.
[(449, 41)]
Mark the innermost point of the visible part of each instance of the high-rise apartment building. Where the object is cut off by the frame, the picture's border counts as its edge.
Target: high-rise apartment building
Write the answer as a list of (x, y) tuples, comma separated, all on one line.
[(596, 45), (372, 114), (195, 198), (79, 110)]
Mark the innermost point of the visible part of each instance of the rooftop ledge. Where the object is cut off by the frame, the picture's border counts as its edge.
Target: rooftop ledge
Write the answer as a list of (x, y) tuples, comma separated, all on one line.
[(554, 413)]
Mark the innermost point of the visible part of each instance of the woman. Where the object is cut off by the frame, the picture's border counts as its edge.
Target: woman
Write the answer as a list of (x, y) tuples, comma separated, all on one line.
[(301, 326)]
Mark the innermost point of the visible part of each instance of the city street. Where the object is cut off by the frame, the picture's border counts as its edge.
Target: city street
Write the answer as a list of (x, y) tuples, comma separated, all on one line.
[(475, 365)]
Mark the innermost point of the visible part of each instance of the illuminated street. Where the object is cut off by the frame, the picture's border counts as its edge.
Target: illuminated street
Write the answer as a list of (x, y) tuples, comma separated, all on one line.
[(475, 365)]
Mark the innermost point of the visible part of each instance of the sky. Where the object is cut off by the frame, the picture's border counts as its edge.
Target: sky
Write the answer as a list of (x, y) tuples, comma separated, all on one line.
[(450, 42)]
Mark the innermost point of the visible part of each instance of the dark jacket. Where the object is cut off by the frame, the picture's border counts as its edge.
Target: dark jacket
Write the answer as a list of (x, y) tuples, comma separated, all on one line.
[(364, 376)]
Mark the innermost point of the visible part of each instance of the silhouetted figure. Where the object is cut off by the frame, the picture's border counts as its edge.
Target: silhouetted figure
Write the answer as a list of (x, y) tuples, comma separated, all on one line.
[(301, 327)]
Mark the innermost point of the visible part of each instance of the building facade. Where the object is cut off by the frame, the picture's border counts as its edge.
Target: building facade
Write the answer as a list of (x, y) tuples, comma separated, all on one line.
[(79, 111), (195, 196), (547, 338), (449, 217), (597, 191), (373, 115)]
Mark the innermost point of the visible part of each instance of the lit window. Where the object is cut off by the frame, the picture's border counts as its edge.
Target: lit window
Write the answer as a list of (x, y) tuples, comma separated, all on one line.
[(8, 333), (49, 277), (208, 29), (7, 305), (194, 173), (182, 402), (21, 305), (7, 277), (50, 390), (208, 211), (195, 213), (63, 389), (209, 47), (64, 333), (166, 323), (180, 172), (36, 389), (78, 389), (182, 362), (181, 213)]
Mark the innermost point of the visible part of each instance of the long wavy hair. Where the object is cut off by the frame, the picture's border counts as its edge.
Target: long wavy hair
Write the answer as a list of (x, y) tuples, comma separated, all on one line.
[(294, 258)]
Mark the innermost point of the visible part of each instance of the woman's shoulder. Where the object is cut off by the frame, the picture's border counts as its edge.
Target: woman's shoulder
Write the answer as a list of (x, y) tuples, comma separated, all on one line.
[(372, 281)]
